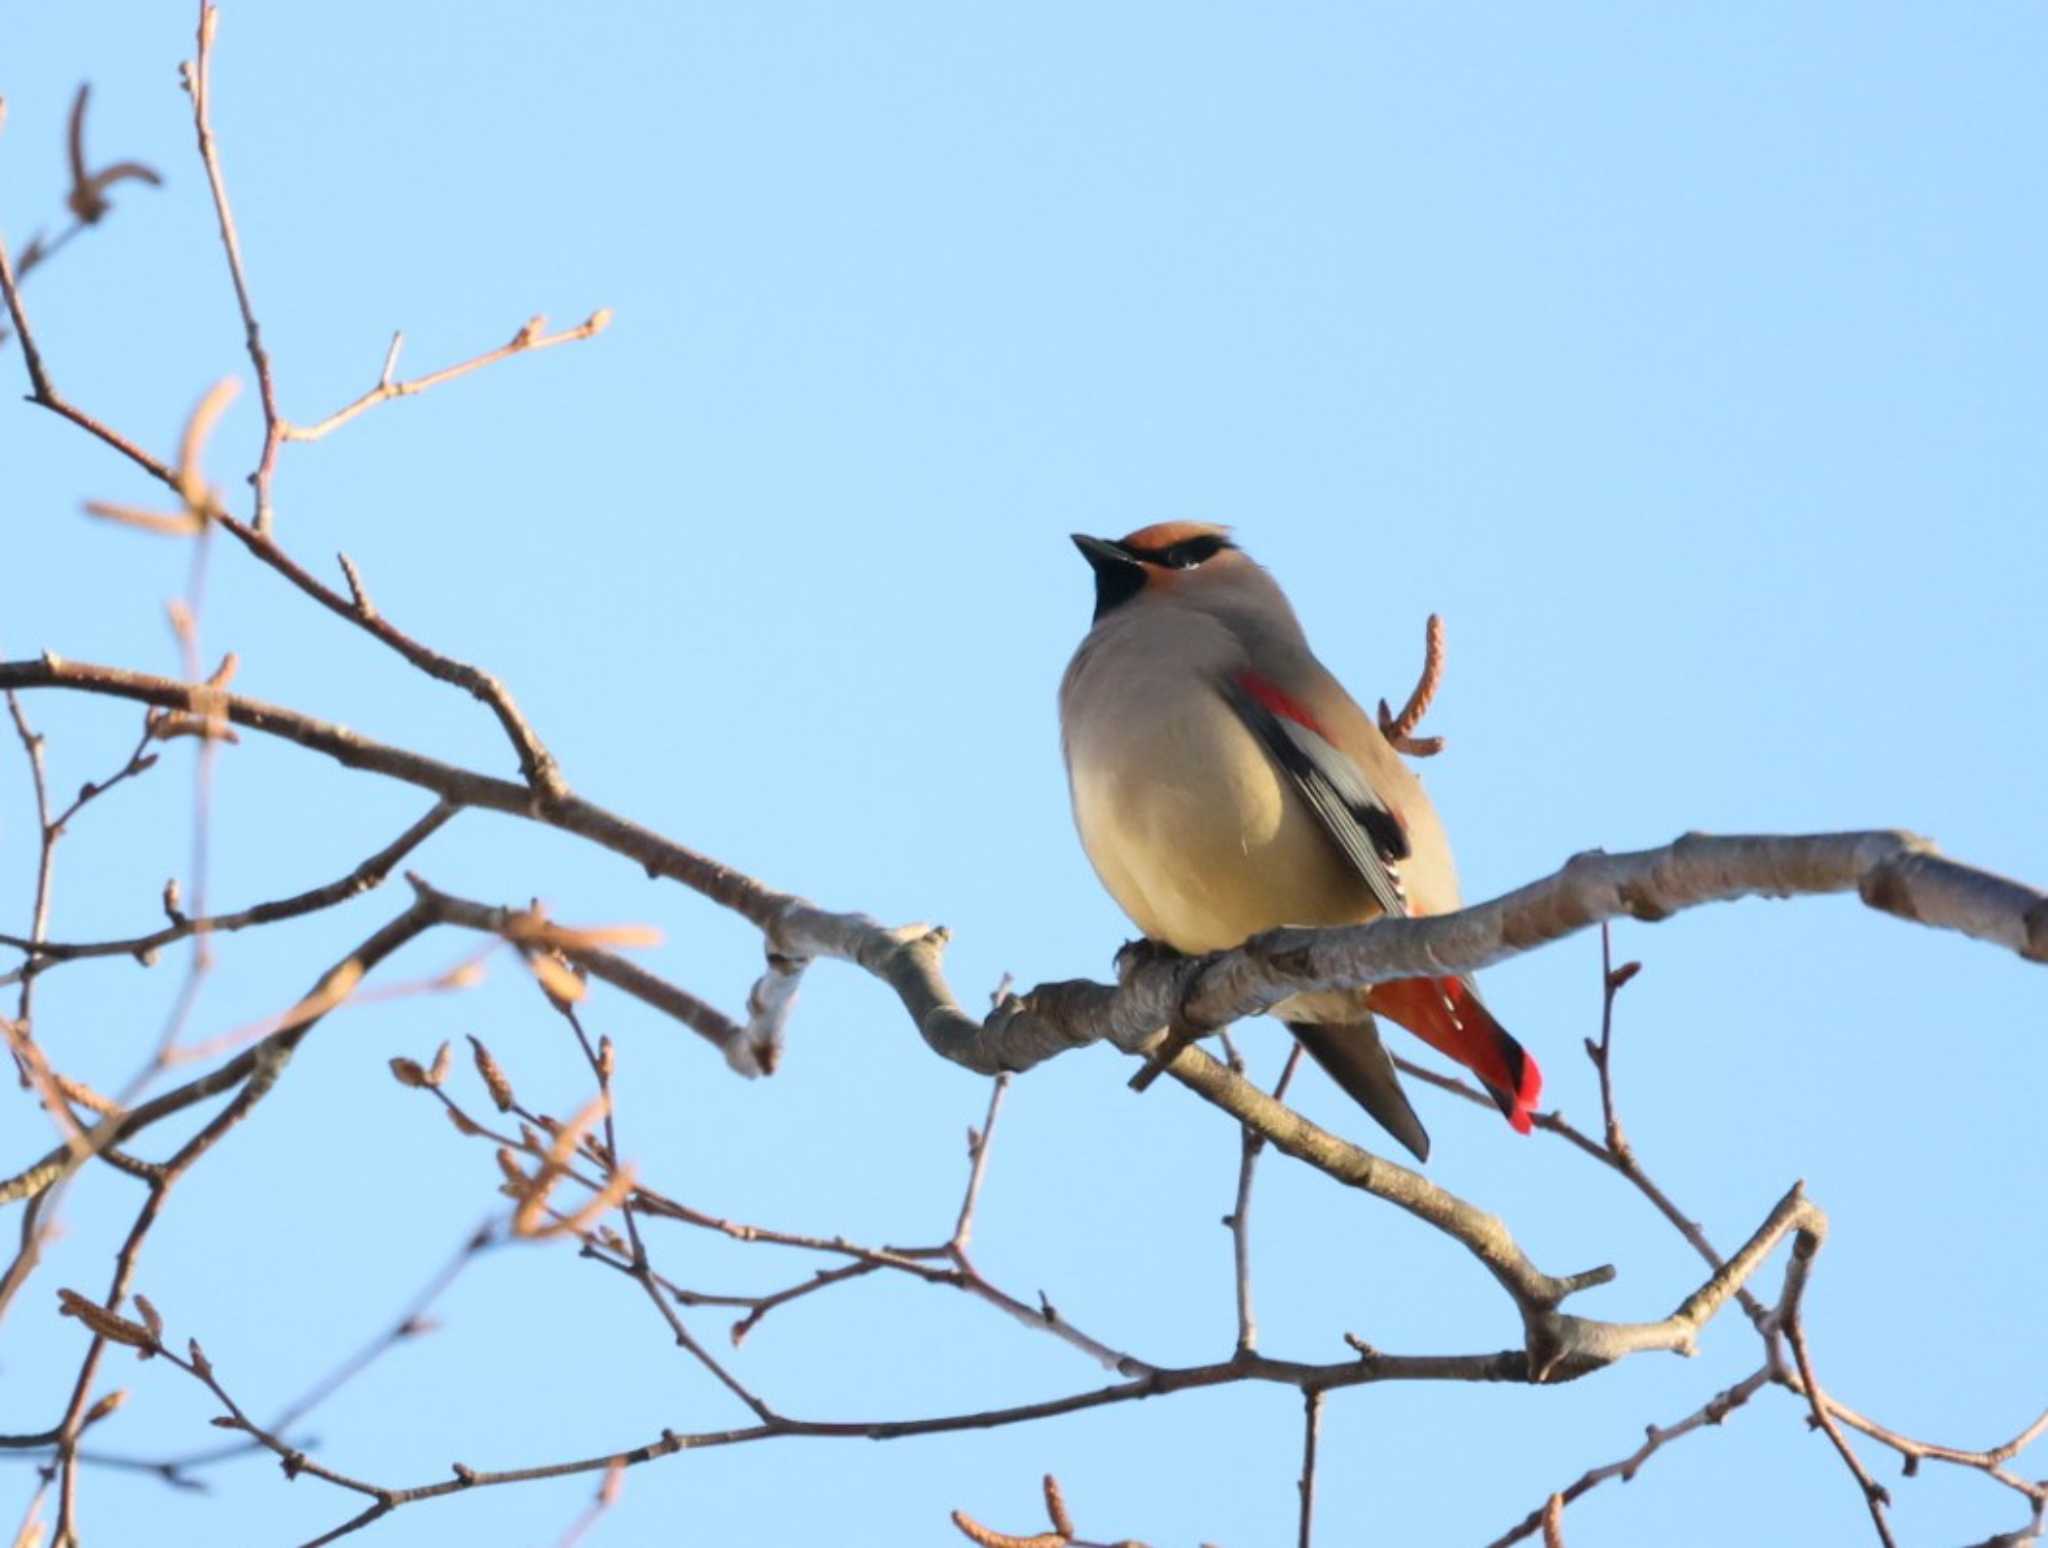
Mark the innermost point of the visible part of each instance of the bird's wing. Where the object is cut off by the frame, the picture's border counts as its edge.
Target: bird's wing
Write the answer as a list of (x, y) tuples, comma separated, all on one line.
[(1358, 820)]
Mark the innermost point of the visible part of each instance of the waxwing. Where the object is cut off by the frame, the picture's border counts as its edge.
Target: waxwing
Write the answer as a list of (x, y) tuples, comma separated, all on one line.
[(1224, 783)]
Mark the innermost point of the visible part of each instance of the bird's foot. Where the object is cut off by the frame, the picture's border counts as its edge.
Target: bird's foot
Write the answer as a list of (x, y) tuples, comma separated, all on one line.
[(1133, 956)]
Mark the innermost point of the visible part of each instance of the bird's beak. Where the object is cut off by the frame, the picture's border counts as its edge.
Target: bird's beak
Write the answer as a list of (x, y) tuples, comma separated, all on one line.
[(1103, 556), (1119, 573)]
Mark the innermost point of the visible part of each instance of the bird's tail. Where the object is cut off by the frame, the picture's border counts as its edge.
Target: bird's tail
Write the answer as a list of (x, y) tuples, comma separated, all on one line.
[(1356, 1060), (1447, 1014)]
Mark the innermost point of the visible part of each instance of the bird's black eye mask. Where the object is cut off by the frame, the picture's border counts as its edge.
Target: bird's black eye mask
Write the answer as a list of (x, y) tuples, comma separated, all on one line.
[(1184, 555), (1120, 569)]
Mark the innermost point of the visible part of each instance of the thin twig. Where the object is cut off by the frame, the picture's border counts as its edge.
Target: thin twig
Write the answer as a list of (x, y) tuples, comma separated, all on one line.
[(977, 1155), (1791, 1319), (39, 1219), (1251, 1144), (199, 82), (367, 875), (1311, 1429), (1711, 1412), (532, 336), (537, 765), (254, 1075)]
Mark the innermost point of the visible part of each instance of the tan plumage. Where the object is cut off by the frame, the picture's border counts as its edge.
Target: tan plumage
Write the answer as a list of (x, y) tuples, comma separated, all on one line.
[(1199, 728)]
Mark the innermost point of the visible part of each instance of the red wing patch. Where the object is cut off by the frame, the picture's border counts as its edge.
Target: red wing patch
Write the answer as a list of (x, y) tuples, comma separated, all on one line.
[(1271, 697)]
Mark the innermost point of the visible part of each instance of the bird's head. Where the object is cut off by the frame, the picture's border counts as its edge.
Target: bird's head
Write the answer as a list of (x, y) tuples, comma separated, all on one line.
[(1169, 558)]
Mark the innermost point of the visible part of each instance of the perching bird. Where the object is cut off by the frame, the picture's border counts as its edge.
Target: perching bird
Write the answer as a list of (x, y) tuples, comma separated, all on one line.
[(1224, 783)]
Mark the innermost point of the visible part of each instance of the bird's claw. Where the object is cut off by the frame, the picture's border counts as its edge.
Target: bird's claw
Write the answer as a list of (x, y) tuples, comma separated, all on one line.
[(1133, 956)]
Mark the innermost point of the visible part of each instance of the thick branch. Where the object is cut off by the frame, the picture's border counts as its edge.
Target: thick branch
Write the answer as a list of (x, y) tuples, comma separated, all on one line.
[(465, 787), (649, 988), (1895, 872)]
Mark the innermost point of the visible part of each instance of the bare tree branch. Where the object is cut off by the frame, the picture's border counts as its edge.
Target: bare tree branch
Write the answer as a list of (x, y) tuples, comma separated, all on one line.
[(1790, 1307), (1239, 1219), (532, 335), (537, 765), (1712, 1412), (364, 877)]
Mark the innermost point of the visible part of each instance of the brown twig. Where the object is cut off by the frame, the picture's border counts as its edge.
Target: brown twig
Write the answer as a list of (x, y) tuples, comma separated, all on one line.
[(537, 765), (532, 336), (761, 1305), (364, 877), (601, 1061), (947, 1264), (978, 1142), (1619, 1153), (1238, 1221), (1790, 1319), (1311, 1430), (1990, 1461), (520, 925), (198, 77), (411, 1323), (48, 831), (35, 1229), (42, 392), (1657, 1437)]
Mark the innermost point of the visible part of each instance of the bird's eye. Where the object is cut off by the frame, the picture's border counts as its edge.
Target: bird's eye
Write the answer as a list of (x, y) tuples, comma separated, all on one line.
[(1185, 556)]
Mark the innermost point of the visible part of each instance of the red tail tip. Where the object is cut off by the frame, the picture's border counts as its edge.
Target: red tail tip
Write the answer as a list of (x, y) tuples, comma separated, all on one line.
[(1527, 1095)]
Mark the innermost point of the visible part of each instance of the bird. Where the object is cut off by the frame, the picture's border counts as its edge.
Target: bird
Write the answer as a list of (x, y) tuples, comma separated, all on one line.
[(1224, 783)]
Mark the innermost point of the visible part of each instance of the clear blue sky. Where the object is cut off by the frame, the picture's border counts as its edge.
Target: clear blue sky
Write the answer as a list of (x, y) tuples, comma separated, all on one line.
[(1688, 360)]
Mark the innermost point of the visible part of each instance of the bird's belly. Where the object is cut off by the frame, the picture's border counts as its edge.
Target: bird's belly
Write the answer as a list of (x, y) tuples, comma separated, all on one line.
[(1203, 842)]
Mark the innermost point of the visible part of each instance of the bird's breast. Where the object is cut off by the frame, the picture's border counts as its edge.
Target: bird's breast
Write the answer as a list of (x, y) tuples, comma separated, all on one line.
[(1196, 834)]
